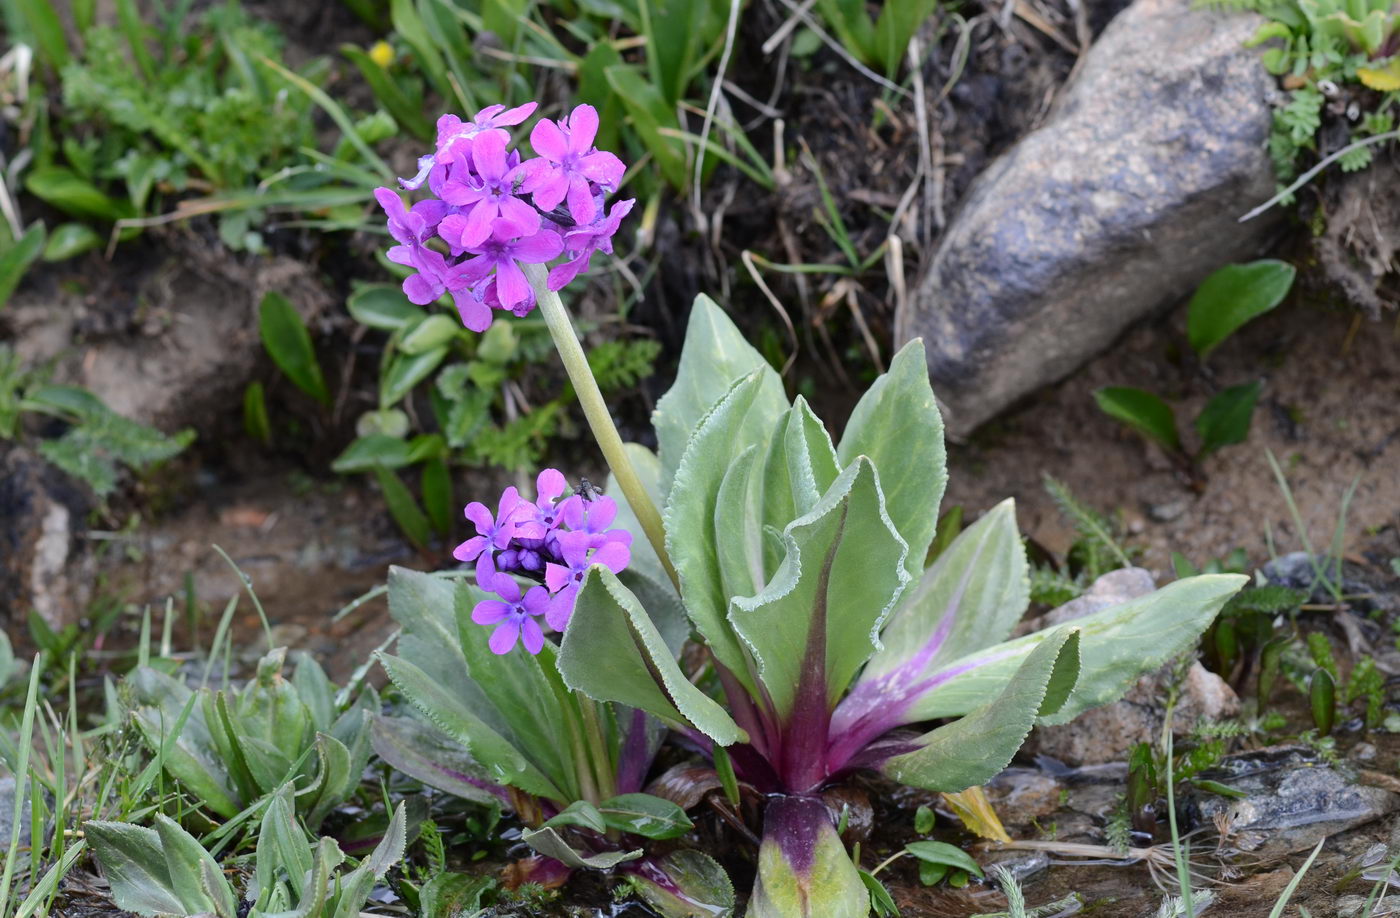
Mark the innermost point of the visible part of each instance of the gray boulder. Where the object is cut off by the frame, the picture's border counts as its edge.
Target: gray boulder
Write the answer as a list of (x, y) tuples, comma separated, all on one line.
[(1118, 206)]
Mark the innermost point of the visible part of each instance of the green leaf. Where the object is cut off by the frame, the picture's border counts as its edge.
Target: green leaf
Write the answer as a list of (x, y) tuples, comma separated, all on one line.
[(934, 852), (1231, 297), (1142, 411), (7, 659), (431, 333), (42, 18), (742, 418), (289, 344), (15, 260), (74, 195), (649, 471), (185, 862), (715, 356), (133, 863), (335, 780), (383, 306), (974, 749), (502, 761), (359, 883), (69, 240), (454, 894), (547, 842), (432, 757), (406, 371), (1117, 646), (375, 451), (821, 613), (801, 465), (645, 815), (694, 884), (580, 813), (897, 425), (402, 507), (437, 494), (650, 115), (881, 902), (387, 92), (972, 597), (612, 651), (1225, 418), (255, 420)]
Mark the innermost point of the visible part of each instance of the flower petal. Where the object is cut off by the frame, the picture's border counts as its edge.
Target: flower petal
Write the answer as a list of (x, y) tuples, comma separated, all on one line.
[(511, 286), (539, 248), (490, 611), (474, 314), (561, 607), (504, 637), (602, 167), (581, 204), (531, 636), (548, 141), (517, 114), (612, 555), (583, 127), (549, 484), (556, 577)]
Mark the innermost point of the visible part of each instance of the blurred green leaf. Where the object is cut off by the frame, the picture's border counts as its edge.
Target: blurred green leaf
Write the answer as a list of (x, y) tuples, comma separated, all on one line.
[(1231, 297), (15, 260), (365, 453), (1142, 411), (255, 420), (70, 239), (934, 852), (406, 371), (289, 344), (43, 20), (431, 333), (387, 91), (437, 494), (403, 507), (645, 815), (67, 191), (1225, 418), (383, 306)]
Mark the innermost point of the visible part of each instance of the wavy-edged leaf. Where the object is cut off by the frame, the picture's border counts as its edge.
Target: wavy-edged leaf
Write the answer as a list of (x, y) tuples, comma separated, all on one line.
[(426, 754), (803, 869), (744, 417), (715, 356), (549, 843), (449, 713), (522, 689), (645, 815), (819, 617), (282, 845), (683, 884), (1117, 646), (800, 466), (738, 516), (611, 651), (134, 864), (970, 598), (974, 749), (186, 862), (897, 424)]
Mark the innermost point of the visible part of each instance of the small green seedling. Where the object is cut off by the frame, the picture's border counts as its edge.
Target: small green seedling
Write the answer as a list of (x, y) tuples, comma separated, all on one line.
[(1223, 303)]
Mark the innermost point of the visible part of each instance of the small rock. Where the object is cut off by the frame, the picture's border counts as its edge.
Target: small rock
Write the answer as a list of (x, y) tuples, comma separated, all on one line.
[(1355, 906), (1104, 215), (1024, 795), (1362, 752), (1106, 734), (1112, 589), (1165, 513), (40, 564), (1293, 801)]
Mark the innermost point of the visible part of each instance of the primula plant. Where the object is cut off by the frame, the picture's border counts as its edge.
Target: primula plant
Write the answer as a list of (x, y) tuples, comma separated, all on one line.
[(798, 563)]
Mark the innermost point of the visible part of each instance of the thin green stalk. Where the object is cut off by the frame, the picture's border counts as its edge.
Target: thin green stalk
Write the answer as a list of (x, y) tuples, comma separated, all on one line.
[(603, 770), (1182, 858), (21, 774), (561, 329)]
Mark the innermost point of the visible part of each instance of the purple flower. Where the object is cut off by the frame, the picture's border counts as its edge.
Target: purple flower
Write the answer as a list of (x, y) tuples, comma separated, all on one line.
[(486, 200), (492, 533), (410, 226), (594, 517), (568, 166), (513, 615), (546, 515), (435, 277), (564, 580), (502, 251), (581, 242), (454, 135)]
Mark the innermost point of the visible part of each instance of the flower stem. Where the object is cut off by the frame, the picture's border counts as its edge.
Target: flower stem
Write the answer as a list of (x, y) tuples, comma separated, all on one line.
[(561, 329)]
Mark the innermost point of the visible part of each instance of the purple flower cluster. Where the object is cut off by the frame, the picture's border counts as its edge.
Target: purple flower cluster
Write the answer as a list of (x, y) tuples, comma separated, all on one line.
[(553, 541), (480, 212)]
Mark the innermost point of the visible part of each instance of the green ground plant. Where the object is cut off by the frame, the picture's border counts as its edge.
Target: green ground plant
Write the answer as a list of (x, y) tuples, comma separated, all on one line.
[(1223, 303), (97, 445)]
